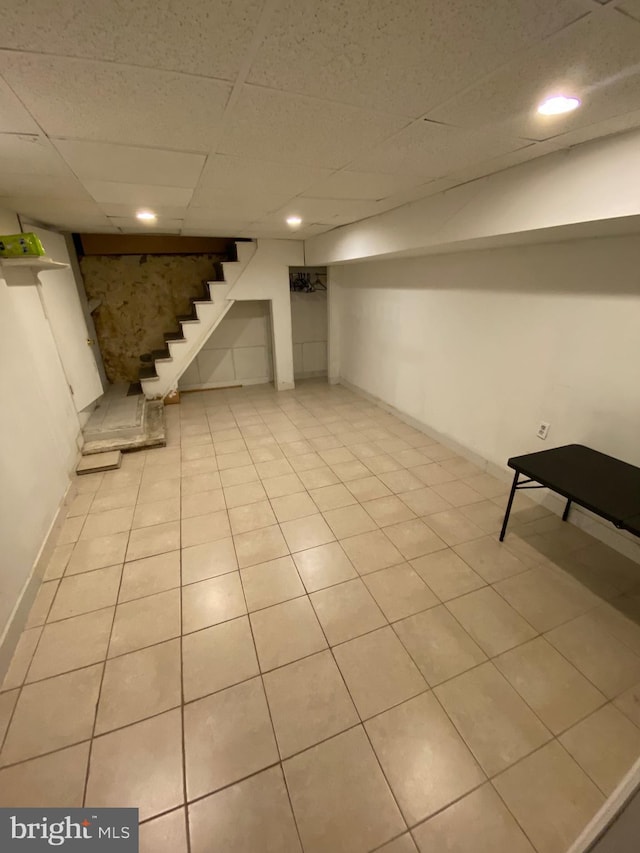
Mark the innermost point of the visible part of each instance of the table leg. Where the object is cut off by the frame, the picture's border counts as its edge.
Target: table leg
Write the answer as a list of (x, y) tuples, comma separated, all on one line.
[(508, 512), (565, 514)]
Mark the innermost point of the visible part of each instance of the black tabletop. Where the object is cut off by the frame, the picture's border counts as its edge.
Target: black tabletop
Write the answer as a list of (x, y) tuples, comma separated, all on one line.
[(601, 483)]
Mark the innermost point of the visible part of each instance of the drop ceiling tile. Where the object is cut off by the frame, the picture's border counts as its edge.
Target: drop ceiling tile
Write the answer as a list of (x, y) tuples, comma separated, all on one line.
[(66, 214), (163, 211), (24, 152), (400, 57), (595, 59), (139, 195), (102, 161), (293, 129), (240, 207), (217, 231), (224, 175), (618, 124), (14, 118), (429, 150), (49, 186), (328, 211), (631, 8), (132, 226), (283, 232), (99, 101), (207, 37), (505, 161), (360, 185)]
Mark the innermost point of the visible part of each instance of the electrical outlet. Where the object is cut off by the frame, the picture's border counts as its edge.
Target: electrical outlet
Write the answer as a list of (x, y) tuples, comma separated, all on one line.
[(543, 430)]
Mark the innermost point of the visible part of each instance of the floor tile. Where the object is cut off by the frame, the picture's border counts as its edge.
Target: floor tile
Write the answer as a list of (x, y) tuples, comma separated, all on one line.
[(208, 560), (608, 664), (271, 583), (332, 497), (447, 574), (106, 523), (275, 467), (347, 471), (371, 551), (403, 844), (260, 546), (150, 575), (7, 704), (423, 757), (227, 736), (485, 515), (70, 530), (201, 483), (382, 464), (139, 766), (605, 744), (212, 601), (399, 591), (335, 455), (158, 512), (238, 476), (340, 798), (58, 562), (378, 671), (546, 598), (147, 541), (323, 566), (82, 593), (251, 517), (21, 660), (457, 493), (349, 521), (114, 499), (218, 657), (233, 460), (316, 478), (205, 528), (202, 503), (489, 559), (244, 494), (414, 538), (368, 489), (52, 714), (478, 823), (424, 501), (493, 624), (388, 510), (550, 796), (286, 484), (164, 834), (549, 684), (454, 527), (71, 644), (433, 474), (139, 685), (97, 553), (304, 533), (347, 610), (290, 507), (400, 481), (286, 632), (80, 505), (42, 604), (51, 781), (253, 815), (145, 621), (309, 703), (498, 726), (629, 703), (162, 490), (440, 647)]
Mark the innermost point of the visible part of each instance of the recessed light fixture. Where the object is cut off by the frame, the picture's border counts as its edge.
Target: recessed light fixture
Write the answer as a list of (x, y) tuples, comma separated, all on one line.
[(558, 104), (294, 221), (146, 216)]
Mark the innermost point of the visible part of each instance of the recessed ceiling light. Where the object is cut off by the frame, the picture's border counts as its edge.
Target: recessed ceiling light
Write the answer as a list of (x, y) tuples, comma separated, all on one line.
[(146, 216), (557, 105), (294, 221)]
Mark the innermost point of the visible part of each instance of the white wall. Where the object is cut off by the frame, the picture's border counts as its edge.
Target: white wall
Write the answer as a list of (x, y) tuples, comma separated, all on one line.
[(238, 351), (267, 277), (38, 432), (482, 346), (309, 329)]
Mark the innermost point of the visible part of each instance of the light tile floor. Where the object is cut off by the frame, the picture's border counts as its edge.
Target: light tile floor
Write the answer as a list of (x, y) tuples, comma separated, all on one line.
[(294, 628)]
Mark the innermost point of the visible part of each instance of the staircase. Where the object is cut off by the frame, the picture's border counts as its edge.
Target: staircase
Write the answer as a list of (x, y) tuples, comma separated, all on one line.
[(181, 347)]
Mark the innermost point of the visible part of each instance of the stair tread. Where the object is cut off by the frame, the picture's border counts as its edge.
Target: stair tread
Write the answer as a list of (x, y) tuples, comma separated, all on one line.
[(160, 353), (147, 373)]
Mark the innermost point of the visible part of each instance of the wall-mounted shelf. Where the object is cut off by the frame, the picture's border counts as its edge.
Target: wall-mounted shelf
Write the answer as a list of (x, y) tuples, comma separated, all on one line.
[(24, 271)]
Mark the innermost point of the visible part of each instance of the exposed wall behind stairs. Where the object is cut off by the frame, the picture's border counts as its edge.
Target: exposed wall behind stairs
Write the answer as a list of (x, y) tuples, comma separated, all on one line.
[(141, 296)]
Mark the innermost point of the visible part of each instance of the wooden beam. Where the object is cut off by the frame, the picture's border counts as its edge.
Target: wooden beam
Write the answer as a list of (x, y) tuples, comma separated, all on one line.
[(151, 244)]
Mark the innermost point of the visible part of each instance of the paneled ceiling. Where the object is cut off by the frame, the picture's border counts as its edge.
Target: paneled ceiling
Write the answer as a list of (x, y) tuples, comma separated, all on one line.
[(226, 116)]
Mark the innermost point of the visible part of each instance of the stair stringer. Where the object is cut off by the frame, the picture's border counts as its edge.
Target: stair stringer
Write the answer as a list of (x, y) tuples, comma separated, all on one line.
[(196, 331)]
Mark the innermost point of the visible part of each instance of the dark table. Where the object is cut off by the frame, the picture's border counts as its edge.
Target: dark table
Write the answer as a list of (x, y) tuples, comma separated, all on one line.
[(602, 484)]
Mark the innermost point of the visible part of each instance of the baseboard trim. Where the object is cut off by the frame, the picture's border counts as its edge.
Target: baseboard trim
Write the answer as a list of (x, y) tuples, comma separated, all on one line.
[(20, 613), (619, 540)]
